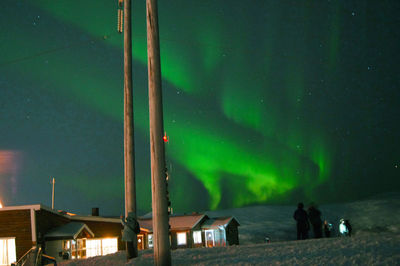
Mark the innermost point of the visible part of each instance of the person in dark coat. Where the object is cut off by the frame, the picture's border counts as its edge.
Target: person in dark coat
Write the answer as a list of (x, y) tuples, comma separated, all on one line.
[(348, 225), (129, 235), (301, 217), (315, 219), (327, 228)]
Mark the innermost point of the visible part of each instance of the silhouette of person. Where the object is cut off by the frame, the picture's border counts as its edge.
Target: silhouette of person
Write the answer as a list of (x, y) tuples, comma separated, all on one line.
[(327, 228), (131, 229), (348, 225), (315, 219), (301, 217)]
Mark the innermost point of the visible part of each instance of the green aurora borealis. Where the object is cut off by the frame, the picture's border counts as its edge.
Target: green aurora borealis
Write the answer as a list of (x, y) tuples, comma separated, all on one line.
[(269, 102)]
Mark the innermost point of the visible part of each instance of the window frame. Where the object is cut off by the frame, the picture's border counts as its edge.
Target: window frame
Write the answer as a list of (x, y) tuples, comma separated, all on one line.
[(13, 257), (197, 238), (178, 239)]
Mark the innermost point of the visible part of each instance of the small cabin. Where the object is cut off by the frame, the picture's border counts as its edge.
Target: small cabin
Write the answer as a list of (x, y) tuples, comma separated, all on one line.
[(221, 231), (194, 230)]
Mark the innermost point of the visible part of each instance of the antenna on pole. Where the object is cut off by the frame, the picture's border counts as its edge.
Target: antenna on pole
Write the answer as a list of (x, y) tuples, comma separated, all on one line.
[(53, 181), (120, 16)]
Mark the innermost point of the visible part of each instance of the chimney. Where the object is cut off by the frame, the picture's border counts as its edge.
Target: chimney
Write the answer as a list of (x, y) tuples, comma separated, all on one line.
[(95, 211)]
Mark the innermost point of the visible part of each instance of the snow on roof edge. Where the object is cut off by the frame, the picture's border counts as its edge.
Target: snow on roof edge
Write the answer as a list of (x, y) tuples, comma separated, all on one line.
[(38, 207), (94, 219)]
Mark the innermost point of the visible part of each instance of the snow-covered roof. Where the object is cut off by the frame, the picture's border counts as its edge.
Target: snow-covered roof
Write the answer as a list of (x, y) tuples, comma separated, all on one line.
[(219, 221), (68, 231), (94, 219), (35, 207), (177, 222)]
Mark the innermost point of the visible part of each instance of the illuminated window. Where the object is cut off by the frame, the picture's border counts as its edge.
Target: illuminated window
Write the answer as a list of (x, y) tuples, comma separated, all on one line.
[(181, 238), (93, 247), (78, 248), (66, 244), (7, 251), (150, 240), (109, 245), (197, 237), (99, 247)]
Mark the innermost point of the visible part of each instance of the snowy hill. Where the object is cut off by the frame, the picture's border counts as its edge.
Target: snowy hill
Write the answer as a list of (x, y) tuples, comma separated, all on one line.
[(379, 214), (376, 239)]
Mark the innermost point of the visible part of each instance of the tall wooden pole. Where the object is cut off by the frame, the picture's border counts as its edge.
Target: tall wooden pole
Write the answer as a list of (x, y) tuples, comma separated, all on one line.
[(162, 253), (129, 147)]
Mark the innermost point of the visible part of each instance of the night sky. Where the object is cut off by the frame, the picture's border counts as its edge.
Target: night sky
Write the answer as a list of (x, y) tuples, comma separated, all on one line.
[(265, 102)]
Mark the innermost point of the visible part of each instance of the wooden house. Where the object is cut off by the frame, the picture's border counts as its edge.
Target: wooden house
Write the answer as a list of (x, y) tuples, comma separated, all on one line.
[(64, 235), (194, 230), (60, 234), (221, 231)]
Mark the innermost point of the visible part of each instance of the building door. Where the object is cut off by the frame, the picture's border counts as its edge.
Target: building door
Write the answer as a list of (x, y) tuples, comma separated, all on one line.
[(140, 243), (209, 238)]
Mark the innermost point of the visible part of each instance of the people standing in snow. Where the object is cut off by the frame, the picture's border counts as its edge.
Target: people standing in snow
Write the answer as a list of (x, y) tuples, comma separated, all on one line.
[(301, 217), (129, 234), (348, 225), (344, 228), (315, 219), (327, 228)]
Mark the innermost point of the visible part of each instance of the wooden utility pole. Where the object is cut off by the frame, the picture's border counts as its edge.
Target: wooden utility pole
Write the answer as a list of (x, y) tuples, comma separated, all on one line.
[(162, 253), (129, 147)]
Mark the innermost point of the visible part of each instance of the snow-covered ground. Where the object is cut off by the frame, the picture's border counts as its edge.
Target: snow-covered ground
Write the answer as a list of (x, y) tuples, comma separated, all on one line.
[(375, 240)]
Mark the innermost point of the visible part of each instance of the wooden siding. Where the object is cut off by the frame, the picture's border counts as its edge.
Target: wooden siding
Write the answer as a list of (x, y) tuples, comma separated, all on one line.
[(45, 221), (17, 223), (232, 234)]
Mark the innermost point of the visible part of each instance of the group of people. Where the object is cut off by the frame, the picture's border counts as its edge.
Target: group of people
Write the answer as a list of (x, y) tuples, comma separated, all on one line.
[(313, 216)]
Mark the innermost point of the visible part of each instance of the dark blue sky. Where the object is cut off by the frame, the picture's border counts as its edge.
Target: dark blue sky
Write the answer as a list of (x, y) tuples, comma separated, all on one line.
[(264, 102)]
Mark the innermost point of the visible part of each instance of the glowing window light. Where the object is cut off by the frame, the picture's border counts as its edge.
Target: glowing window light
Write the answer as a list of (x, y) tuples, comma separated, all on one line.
[(181, 238), (150, 240), (7, 251), (109, 245), (93, 247), (197, 237), (101, 247)]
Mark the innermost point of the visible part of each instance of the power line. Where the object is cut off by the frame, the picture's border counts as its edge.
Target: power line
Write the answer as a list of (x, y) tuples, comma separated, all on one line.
[(104, 38)]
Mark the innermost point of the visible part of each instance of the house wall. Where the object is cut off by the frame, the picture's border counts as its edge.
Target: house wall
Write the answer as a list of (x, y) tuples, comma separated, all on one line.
[(17, 223), (53, 248), (232, 234)]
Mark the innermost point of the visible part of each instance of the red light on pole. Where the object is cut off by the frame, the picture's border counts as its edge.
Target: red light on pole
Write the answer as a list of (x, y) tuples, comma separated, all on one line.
[(165, 138)]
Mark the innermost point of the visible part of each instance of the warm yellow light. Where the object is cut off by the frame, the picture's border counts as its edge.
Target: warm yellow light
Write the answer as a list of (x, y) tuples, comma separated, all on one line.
[(1, 205)]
